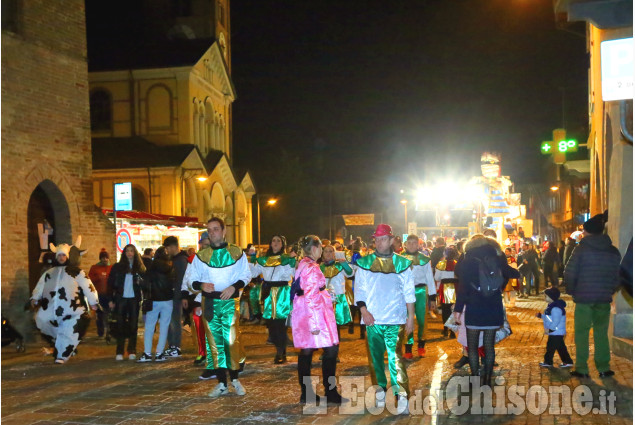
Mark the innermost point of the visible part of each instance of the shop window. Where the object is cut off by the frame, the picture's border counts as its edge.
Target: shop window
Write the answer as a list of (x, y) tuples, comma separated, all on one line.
[(100, 111)]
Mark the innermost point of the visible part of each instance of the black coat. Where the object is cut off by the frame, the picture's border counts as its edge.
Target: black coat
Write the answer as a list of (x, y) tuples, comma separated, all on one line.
[(116, 281), (158, 283), (180, 265), (437, 254), (550, 259), (592, 273), (481, 310)]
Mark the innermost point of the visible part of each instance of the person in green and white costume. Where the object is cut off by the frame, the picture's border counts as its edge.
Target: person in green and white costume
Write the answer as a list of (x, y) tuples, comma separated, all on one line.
[(336, 273), (385, 295), (277, 270), (425, 289), (219, 272)]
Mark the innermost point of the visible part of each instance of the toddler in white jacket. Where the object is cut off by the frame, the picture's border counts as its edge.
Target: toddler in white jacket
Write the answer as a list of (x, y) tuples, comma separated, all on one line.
[(555, 322)]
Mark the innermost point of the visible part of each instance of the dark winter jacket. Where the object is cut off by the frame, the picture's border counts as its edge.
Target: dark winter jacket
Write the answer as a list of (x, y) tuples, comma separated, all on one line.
[(592, 273), (158, 283), (438, 252), (116, 281), (550, 259), (481, 310), (568, 250), (531, 256), (180, 263)]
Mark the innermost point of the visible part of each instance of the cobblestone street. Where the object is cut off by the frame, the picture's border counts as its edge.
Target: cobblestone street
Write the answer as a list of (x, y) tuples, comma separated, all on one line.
[(93, 388)]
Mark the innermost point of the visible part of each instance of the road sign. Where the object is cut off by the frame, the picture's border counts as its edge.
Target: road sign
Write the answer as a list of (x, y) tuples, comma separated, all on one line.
[(123, 196), (123, 238)]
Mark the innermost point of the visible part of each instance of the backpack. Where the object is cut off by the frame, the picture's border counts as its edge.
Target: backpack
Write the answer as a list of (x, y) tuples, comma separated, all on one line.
[(490, 276)]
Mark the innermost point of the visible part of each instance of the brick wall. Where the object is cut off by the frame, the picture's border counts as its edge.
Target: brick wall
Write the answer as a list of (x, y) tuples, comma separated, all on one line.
[(45, 136)]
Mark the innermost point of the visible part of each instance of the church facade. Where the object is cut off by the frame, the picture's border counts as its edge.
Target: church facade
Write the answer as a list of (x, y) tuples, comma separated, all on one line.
[(162, 119)]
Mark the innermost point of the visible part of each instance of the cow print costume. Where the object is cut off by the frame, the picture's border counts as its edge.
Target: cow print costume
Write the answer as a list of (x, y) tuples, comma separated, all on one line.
[(62, 293)]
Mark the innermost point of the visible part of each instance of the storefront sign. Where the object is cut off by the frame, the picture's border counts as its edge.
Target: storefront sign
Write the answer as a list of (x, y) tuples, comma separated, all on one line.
[(123, 196), (617, 69), (359, 219)]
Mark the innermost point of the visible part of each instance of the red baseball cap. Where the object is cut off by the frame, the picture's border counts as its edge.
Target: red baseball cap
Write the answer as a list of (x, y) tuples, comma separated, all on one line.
[(383, 230)]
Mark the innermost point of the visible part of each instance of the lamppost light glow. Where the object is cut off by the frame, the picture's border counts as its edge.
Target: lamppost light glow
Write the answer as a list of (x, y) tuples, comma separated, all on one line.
[(201, 178), (404, 201), (272, 201), (554, 188)]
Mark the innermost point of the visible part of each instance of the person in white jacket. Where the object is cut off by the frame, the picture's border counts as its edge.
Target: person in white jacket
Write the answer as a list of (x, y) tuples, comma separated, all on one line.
[(220, 272), (425, 289), (555, 323)]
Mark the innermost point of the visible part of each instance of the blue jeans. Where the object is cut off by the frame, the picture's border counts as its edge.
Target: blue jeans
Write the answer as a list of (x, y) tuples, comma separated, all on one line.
[(161, 312), (174, 335)]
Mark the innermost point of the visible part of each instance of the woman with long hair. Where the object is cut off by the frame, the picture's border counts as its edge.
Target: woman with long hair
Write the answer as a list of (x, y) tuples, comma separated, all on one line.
[(124, 286), (313, 322), (158, 287), (277, 270)]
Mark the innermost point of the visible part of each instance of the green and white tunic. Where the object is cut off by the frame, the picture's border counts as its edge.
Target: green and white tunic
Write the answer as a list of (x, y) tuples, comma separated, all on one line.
[(336, 274), (277, 273)]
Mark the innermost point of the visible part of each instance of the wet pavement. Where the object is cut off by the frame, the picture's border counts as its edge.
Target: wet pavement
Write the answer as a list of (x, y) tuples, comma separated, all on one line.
[(93, 388)]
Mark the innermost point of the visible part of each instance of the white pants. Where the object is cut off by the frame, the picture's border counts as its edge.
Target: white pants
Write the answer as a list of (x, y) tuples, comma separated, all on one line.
[(161, 312)]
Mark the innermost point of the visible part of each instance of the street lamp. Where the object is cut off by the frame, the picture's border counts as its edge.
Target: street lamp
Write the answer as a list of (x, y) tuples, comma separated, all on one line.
[(405, 214), (554, 188), (271, 202), (187, 173)]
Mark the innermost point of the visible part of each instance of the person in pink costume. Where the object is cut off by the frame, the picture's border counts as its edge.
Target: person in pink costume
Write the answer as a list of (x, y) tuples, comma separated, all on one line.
[(313, 322)]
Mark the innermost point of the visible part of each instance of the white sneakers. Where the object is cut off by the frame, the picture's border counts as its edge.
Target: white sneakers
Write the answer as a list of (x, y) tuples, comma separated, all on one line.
[(380, 399), (119, 357), (402, 402), (402, 405), (221, 389), (238, 387)]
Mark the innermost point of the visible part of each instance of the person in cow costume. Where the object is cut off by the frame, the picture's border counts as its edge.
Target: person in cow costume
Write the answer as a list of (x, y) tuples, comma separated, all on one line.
[(62, 294)]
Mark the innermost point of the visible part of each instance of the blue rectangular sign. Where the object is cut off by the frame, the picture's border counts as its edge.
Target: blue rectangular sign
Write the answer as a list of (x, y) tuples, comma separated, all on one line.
[(123, 196)]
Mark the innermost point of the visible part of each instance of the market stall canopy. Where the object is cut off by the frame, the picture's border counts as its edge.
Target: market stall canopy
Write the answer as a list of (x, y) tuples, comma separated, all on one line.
[(146, 217)]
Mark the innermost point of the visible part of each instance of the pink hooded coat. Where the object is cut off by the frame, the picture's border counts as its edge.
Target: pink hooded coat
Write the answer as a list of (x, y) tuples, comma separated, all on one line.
[(313, 310)]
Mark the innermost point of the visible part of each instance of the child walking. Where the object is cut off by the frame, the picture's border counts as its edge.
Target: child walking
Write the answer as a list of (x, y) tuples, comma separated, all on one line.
[(555, 323)]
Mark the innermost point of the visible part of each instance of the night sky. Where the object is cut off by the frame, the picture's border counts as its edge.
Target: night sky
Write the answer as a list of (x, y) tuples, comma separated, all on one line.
[(380, 89)]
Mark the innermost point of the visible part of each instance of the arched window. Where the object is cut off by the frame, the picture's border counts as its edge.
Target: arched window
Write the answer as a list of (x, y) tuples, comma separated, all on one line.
[(222, 136), (202, 134), (195, 137), (100, 110), (159, 108), (219, 134), (139, 201)]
